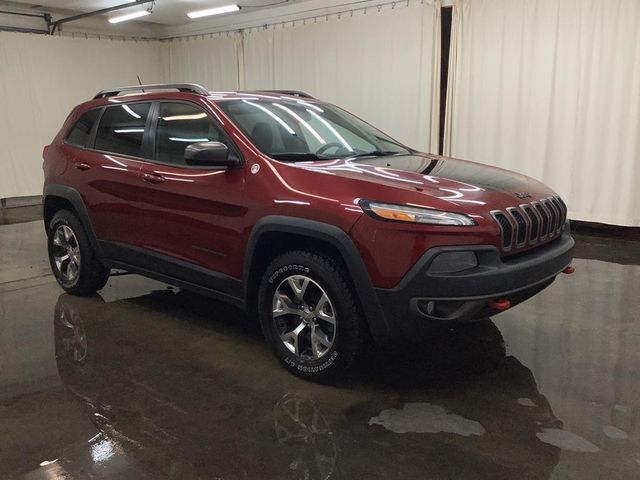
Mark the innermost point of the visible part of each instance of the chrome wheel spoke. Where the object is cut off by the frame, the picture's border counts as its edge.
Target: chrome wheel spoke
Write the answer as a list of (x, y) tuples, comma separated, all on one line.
[(58, 238), (72, 269), (319, 342), (324, 310), (299, 286), (68, 233), (282, 305), (292, 338)]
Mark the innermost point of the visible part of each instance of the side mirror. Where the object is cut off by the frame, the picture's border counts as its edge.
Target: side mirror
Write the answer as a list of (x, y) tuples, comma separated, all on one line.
[(210, 154)]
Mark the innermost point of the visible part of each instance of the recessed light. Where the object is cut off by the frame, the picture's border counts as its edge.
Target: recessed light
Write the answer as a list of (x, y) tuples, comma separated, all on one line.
[(213, 11), (129, 16)]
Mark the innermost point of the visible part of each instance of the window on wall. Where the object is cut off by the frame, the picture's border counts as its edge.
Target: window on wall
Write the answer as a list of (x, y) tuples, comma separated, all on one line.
[(121, 129), (81, 131), (180, 125)]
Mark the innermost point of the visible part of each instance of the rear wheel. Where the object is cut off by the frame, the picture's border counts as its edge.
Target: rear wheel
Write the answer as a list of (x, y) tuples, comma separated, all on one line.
[(309, 316), (72, 259)]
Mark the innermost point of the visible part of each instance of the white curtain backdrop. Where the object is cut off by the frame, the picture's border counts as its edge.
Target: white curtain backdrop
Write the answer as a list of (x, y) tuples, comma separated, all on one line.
[(552, 89), (212, 61), (382, 66), (41, 79)]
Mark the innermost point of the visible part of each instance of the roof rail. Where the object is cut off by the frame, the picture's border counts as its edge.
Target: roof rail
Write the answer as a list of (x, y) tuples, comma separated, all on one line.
[(182, 87), (293, 93)]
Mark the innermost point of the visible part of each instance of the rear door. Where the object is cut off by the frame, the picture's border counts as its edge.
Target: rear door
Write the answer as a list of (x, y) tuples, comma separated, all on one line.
[(107, 170), (192, 214)]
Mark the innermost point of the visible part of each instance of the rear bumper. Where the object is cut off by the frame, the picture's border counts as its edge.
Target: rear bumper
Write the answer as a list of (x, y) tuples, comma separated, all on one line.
[(465, 296)]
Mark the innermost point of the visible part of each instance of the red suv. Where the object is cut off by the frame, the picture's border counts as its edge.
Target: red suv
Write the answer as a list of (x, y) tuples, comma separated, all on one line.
[(328, 230)]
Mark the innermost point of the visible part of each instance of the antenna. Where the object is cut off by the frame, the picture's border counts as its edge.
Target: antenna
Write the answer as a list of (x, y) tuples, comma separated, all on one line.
[(140, 82)]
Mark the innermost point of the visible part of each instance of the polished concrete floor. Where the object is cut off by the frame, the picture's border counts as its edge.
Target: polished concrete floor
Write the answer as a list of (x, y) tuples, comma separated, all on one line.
[(146, 381)]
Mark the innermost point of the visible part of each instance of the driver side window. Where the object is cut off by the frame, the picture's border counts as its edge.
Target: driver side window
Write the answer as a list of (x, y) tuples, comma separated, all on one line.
[(180, 125)]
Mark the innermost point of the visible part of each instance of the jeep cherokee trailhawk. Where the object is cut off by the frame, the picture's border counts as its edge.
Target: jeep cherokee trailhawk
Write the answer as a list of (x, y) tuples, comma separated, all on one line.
[(329, 231)]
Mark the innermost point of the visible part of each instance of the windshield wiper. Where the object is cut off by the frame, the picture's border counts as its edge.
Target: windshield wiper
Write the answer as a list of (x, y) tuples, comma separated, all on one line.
[(296, 157), (377, 153)]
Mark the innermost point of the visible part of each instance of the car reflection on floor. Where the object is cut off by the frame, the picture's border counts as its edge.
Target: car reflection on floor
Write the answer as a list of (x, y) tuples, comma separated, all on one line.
[(447, 410)]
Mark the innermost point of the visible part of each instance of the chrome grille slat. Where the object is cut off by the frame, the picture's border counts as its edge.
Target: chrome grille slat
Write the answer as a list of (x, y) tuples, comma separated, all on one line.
[(530, 223), (534, 222), (521, 226), (556, 203), (506, 229), (546, 219), (555, 214), (565, 211)]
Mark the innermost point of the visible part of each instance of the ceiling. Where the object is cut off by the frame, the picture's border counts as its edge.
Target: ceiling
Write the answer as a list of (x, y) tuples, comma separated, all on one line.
[(169, 18), (165, 12)]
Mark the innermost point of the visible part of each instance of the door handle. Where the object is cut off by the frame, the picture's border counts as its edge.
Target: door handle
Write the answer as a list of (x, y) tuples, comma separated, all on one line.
[(152, 178), (82, 166)]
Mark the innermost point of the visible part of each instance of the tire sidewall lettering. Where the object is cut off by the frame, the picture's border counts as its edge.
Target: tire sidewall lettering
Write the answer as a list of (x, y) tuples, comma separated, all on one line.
[(287, 269), (301, 367)]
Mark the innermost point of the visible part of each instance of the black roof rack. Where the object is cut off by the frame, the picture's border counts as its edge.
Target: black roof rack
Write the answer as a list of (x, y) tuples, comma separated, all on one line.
[(293, 93), (182, 87)]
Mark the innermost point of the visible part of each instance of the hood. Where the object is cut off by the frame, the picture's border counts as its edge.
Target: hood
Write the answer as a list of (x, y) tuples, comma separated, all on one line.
[(459, 182)]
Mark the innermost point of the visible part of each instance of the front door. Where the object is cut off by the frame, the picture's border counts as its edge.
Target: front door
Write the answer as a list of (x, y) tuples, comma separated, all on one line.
[(193, 215)]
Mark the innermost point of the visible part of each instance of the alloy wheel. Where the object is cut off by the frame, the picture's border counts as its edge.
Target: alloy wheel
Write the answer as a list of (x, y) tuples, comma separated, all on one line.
[(304, 317), (66, 253)]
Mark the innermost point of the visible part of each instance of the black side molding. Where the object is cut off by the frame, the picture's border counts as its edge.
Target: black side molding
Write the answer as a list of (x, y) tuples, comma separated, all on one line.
[(172, 270), (380, 328)]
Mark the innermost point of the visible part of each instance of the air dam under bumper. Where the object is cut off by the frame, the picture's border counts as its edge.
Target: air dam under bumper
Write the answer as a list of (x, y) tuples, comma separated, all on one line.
[(423, 295)]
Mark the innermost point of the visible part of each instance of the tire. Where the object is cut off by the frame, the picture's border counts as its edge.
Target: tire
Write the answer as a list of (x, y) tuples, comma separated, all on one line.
[(324, 342), (89, 274)]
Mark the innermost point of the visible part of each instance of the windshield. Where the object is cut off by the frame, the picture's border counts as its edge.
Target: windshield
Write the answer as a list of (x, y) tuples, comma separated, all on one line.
[(296, 130)]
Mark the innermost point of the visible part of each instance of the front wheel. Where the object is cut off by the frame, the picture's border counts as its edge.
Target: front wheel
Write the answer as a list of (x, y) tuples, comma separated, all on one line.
[(310, 317)]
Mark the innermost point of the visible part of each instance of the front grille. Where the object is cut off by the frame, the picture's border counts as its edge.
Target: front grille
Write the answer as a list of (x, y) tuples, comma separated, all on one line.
[(531, 222)]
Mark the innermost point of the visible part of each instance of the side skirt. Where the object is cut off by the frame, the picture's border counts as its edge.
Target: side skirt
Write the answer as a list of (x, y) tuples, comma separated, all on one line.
[(174, 272)]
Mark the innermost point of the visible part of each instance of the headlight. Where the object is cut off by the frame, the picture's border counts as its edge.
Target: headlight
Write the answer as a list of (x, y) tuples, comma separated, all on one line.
[(401, 213)]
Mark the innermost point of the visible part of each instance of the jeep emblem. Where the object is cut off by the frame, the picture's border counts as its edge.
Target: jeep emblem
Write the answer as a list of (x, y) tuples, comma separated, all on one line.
[(522, 195)]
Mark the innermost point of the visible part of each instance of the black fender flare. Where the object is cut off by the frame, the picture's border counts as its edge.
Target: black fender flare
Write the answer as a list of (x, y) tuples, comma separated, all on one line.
[(379, 326), (73, 196)]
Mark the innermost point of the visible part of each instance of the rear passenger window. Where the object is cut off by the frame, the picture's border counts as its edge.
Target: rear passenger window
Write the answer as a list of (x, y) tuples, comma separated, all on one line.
[(81, 131), (179, 126), (121, 129)]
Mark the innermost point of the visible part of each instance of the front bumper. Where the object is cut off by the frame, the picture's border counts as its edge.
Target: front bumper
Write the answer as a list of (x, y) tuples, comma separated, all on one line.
[(465, 296)]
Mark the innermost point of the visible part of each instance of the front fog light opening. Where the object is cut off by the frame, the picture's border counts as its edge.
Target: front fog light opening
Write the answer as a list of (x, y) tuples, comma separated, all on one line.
[(430, 307), (440, 309), (453, 262)]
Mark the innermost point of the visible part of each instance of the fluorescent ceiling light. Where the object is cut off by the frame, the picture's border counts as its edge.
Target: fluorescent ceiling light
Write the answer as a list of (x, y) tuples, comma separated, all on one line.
[(272, 115), (213, 11), (129, 16), (194, 116), (131, 112)]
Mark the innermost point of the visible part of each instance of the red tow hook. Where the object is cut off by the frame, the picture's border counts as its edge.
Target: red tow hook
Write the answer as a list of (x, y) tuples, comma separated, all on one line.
[(501, 304), (569, 270)]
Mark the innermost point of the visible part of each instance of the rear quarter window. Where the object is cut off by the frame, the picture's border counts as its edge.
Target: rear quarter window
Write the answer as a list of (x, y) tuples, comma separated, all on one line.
[(81, 130)]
